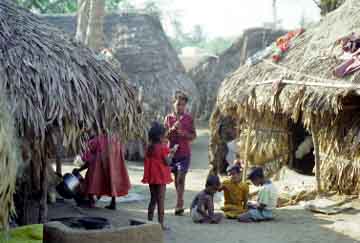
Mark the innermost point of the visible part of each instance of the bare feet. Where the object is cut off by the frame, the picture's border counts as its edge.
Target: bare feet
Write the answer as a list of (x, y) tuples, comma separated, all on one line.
[(111, 207)]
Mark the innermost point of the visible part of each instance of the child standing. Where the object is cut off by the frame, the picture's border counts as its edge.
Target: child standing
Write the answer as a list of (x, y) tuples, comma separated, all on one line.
[(262, 210), (157, 173), (202, 207), (235, 193)]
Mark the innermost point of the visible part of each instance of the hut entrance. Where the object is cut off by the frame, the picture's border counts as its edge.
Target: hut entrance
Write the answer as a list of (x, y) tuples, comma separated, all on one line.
[(303, 148)]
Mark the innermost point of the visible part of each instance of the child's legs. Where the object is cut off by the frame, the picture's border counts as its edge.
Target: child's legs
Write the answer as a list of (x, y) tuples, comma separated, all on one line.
[(180, 189), (217, 218), (253, 215), (153, 199), (161, 203)]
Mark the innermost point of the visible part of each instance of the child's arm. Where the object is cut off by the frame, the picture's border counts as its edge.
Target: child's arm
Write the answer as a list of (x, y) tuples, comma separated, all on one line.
[(168, 158)]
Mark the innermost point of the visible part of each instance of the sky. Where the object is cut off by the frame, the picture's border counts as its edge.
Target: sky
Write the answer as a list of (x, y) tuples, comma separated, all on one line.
[(228, 18)]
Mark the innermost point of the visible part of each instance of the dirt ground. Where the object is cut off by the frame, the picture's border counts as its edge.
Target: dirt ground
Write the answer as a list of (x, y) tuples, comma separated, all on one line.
[(292, 224)]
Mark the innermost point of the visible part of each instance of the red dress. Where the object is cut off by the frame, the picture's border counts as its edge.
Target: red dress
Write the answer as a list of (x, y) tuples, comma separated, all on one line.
[(156, 171), (107, 173)]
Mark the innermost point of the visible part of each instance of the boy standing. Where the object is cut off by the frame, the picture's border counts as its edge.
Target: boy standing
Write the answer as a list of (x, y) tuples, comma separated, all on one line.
[(181, 131), (202, 207), (262, 210)]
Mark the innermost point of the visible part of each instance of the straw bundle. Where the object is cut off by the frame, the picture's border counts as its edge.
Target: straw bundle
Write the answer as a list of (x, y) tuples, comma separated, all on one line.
[(308, 93), (9, 158)]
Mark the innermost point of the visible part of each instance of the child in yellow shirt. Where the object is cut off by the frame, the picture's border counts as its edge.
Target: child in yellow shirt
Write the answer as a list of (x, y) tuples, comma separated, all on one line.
[(235, 193)]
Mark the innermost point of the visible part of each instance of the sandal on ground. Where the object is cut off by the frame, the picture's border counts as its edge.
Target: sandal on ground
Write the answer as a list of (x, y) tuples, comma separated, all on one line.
[(165, 228), (179, 211)]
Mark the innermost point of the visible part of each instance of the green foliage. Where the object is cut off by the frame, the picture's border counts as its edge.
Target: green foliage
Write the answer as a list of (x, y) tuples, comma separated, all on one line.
[(198, 38), (327, 6), (63, 6)]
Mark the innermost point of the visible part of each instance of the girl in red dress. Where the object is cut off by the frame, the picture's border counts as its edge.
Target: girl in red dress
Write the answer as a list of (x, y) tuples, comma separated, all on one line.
[(157, 172)]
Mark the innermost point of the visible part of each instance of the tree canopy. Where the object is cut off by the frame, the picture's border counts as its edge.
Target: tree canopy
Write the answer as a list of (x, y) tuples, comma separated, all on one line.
[(61, 6)]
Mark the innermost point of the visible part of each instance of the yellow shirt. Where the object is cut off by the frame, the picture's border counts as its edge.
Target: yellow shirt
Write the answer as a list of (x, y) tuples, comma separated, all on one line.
[(236, 196)]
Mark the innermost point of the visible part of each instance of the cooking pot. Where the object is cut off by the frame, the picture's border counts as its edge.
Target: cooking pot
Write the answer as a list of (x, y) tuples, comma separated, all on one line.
[(69, 186)]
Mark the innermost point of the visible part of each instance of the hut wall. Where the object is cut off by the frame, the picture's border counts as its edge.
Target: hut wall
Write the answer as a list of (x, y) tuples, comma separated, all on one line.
[(9, 160)]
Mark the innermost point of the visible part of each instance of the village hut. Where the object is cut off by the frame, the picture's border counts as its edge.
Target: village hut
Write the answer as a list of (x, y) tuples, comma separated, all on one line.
[(211, 71), (298, 97), (138, 46), (55, 89), (141, 47)]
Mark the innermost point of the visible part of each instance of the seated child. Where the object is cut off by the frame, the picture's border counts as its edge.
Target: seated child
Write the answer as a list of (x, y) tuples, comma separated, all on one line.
[(262, 210), (235, 193), (202, 207)]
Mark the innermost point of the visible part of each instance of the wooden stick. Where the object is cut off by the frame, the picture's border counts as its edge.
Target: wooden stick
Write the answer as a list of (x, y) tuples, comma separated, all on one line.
[(246, 154), (337, 84), (302, 74), (317, 156)]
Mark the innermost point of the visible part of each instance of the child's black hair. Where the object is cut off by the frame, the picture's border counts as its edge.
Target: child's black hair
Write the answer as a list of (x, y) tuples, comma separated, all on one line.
[(256, 172), (156, 132), (212, 180)]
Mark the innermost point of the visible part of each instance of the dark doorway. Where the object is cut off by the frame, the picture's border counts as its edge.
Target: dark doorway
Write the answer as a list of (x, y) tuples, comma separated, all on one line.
[(303, 150)]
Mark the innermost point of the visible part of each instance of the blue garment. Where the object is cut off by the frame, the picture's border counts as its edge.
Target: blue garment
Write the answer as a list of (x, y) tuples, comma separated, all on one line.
[(260, 215)]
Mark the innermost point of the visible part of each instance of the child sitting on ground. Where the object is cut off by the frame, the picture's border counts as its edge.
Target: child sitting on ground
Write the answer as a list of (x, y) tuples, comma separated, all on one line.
[(262, 210), (235, 193), (202, 207)]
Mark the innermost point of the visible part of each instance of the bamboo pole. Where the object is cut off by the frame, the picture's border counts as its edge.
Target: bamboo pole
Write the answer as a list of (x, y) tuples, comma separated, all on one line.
[(337, 84), (246, 162), (317, 155)]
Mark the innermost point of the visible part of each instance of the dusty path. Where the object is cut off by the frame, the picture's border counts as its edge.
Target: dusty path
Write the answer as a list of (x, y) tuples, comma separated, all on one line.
[(292, 224)]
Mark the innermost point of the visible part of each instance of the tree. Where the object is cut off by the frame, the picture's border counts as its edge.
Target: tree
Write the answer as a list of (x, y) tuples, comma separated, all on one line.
[(61, 6), (326, 6), (94, 32), (82, 20)]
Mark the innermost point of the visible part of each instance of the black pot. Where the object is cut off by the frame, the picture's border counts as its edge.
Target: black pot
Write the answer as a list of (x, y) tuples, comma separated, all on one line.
[(69, 186)]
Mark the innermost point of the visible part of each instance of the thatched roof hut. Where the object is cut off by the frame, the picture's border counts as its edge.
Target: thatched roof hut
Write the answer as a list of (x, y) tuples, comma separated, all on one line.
[(139, 44), (309, 96), (53, 83), (210, 72)]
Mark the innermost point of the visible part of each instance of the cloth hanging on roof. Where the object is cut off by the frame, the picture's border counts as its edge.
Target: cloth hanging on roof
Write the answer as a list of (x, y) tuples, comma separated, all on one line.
[(351, 46), (285, 43), (277, 49)]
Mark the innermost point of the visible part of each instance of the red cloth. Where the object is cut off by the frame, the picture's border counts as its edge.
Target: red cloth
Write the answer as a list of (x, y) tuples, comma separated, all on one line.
[(187, 125), (156, 171), (107, 173)]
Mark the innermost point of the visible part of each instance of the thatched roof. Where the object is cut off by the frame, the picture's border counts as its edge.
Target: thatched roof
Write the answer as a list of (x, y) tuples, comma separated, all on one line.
[(310, 91), (140, 45), (51, 80), (311, 60), (209, 73), (9, 158)]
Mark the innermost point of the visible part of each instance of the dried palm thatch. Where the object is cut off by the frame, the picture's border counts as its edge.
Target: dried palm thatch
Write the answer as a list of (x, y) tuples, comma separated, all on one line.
[(144, 53), (9, 158), (53, 83), (312, 95), (51, 79), (209, 73)]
